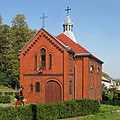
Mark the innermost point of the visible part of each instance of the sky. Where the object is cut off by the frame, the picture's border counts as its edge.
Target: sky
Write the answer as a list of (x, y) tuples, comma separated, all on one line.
[(96, 24)]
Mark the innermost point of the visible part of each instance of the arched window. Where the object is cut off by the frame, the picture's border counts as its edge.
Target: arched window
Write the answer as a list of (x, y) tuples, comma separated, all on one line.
[(98, 70), (50, 61), (42, 59), (91, 69), (70, 87), (35, 62)]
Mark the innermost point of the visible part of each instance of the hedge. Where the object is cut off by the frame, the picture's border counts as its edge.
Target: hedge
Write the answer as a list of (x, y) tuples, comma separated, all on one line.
[(88, 106), (8, 93), (66, 109), (54, 111), (5, 99), (16, 93), (0, 93), (18, 113), (112, 102)]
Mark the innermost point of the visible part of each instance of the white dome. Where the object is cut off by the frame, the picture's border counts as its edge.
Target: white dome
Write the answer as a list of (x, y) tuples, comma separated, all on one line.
[(68, 28), (68, 21)]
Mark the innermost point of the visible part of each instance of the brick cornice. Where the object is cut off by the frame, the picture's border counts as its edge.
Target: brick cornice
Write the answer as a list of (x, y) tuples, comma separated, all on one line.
[(43, 75)]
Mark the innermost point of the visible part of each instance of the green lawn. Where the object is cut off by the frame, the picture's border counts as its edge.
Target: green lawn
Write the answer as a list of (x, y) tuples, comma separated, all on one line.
[(104, 114)]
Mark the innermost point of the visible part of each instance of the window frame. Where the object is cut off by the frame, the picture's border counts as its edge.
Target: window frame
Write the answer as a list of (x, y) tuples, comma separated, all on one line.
[(91, 69), (70, 87), (37, 86), (35, 62), (31, 88), (50, 61), (42, 58)]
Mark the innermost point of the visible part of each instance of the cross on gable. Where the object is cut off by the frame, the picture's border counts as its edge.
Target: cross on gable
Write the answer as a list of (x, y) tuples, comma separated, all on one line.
[(43, 18), (68, 9)]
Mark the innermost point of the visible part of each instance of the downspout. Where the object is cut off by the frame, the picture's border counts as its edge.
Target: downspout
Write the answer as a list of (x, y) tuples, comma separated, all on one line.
[(74, 81), (82, 78), (63, 75)]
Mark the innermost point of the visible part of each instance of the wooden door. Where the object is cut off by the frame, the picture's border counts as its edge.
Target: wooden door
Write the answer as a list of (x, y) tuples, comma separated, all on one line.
[(52, 92)]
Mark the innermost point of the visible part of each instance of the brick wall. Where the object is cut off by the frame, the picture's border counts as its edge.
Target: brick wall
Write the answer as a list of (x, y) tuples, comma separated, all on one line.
[(27, 77), (65, 68)]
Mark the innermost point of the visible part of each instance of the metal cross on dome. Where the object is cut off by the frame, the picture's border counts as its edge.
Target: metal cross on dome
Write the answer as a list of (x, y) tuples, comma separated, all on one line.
[(68, 9), (43, 18)]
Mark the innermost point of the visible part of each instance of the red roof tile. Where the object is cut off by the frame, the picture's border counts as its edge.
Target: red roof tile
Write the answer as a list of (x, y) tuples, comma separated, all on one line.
[(74, 46)]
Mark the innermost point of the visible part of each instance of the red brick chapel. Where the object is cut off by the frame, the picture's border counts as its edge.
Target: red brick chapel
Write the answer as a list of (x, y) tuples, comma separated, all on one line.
[(54, 69)]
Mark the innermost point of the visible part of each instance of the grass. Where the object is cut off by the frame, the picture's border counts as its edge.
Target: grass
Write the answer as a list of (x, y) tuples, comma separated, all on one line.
[(104, 114)]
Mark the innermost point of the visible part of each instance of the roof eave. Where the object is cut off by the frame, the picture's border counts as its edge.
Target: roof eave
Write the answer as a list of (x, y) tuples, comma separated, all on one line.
[(61, 43), (19, 51), (88, 55)]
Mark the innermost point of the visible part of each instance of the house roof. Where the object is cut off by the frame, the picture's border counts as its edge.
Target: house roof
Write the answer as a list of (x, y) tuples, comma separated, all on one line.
[(68, 44), (74, 46), (105, 79), (77, 48)]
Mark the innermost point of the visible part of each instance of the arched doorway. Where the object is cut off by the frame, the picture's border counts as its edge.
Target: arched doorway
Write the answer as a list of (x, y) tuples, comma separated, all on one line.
[(52, 92)]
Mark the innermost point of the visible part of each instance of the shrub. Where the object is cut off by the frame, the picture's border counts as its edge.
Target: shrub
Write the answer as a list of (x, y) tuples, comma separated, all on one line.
[(16, 93), (5, 99), (112, 102), (105, 97), (46, 112), (116, 98), (70, 109), (88, 106), (18, 113), (59, 110), (0, 93), (66, 109), (8, 93), (111, 95)]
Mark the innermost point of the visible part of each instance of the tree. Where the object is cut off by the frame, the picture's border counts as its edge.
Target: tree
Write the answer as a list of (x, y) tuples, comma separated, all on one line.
[(4, 80), (0, 19), (12, 39), (21, 34), (104, 89), (5, 51), (105, 75), (21, 31)]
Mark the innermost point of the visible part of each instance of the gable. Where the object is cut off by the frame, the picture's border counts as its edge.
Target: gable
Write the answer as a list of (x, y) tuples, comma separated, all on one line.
[(37, 37)]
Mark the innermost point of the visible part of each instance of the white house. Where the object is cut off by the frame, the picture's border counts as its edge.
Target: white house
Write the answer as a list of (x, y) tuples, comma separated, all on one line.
[(109, 82), (106, 82)]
